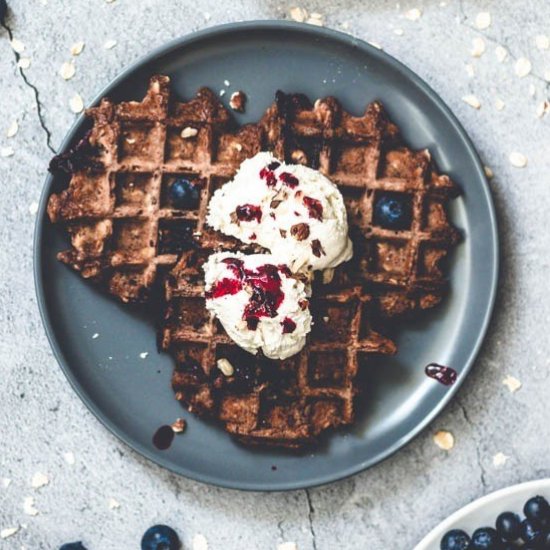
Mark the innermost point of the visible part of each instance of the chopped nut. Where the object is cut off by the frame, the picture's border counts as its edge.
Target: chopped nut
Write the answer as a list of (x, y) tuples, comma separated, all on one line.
[(200, 542), (488, 172), (179, 425), (304, 304), (189, 132), (316, 19), (298, 157), (28, 506), (77, 47), (483, 20), (39, 480), (413, 15), (76, 103), (522, 67), (444, 440), (317, 249), (24, 63), (499, 460), (501, 53), (472, 101), (328, 275), (13, 129), (282, 232), (542, 42), (298, 14), (110, 44), (67, 70), (237, 101), (478, 47), (512, 383), (300, 231), (225, 366), (519, 160), (275, 203)]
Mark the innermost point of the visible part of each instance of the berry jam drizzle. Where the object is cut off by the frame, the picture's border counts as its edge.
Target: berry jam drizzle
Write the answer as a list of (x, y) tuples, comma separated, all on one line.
[(314, 207), (289, 326), (444, 375), (268, 175), (248, 213), (288, 179), (265, 283)]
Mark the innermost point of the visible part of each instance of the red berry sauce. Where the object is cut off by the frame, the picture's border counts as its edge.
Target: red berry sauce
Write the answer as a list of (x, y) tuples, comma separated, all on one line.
[(445, 375), (268, 175), (314, 207), (288, 179), (289, 326), (248, 213)]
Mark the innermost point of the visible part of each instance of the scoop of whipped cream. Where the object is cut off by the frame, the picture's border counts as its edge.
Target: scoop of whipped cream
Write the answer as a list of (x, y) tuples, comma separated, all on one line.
[(260, 304), (292, 210)]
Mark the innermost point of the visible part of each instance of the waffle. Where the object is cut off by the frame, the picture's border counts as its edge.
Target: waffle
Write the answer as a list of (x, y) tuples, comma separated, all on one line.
[(366, 158), (284, 403), (125, 231)]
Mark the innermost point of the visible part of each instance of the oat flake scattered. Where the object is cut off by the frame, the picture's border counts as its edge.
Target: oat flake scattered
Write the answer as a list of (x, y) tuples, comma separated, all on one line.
[(114, 504), (33, 208), (287, 546), (501, 53), (478, 47), (76, 103), (39, 480), (95, 335), (24, 63), (511, 382), (413, 15), (69, 458), (488, 172), (28, 506), (110, 44), (375, 45), (178, 426), (472, 101), (200, 542), (499, 104), (144, 354), (483, 20), (444, 440), (298, 14), (519, 160), (77, 47), (17, 45), (222, 92), (8, 532), (542, 42), (316, 19), (499, 460), (12, 129), (67, 70), (226, 83), (6, 152), (522, 67), (189, 132), (225, 366)]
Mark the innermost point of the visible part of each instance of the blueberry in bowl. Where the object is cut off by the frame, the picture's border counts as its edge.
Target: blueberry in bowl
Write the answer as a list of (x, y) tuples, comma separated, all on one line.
[(455, 540), (508, 526), (393, 211), (160, 537)]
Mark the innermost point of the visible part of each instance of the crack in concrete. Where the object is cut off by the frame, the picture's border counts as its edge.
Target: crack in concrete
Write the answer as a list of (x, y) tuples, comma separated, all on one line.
[(310, 514), (39, 105), (478, 453), (463, 18)]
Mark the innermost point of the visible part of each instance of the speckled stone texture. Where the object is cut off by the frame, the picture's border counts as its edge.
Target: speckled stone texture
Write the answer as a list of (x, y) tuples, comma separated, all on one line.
[(394, 504)]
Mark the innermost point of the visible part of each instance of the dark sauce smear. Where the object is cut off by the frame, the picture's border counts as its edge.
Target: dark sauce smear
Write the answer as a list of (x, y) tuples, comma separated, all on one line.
[(163, 438), (444, 375)]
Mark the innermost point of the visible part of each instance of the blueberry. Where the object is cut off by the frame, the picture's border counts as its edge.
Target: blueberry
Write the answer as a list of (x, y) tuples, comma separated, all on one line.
[(392, 211), (485, 538), (3, 11), (537, 508), (184, 194), (508, 526), (455, 540), (72, 546), (531, 530), (160, 537)]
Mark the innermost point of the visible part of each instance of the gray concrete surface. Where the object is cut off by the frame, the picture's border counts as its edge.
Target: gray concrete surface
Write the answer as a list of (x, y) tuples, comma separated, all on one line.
[(389, 507)]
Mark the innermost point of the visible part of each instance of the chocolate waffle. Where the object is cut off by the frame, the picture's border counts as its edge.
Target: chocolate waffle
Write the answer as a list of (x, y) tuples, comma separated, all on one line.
[(367, 159), (124, 228), (285, 403)]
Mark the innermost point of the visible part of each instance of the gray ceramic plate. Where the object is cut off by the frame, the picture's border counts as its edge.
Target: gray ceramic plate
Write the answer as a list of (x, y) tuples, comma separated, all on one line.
[(132, 396)]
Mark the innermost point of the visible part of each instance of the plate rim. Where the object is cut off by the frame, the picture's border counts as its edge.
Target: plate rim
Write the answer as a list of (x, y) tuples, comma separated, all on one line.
[(433, 537), (270, 25)]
